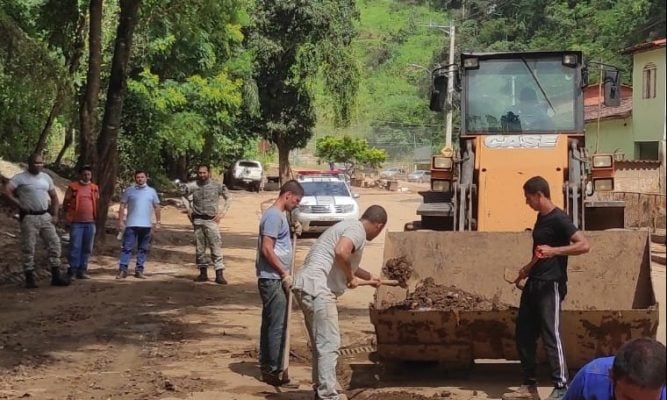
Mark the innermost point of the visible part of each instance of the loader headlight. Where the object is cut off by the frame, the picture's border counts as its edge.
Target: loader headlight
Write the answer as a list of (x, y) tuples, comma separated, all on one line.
[(604, 185), (471, 63), (441, 185), (604, 161), (442, 163), (570, 60)]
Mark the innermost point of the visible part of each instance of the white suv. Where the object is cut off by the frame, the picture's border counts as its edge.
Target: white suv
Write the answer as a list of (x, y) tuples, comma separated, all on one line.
[(326, 201), (245, 173)]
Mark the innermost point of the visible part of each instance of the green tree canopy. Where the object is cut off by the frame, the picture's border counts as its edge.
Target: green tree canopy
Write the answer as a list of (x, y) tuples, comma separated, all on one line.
[(348, 150)]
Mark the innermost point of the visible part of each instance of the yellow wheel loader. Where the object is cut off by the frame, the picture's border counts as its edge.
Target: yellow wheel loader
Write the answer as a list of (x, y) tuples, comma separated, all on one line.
[(521, 116)]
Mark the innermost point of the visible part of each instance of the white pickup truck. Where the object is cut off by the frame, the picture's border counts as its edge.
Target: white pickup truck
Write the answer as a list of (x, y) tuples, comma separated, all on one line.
[(246, 174)]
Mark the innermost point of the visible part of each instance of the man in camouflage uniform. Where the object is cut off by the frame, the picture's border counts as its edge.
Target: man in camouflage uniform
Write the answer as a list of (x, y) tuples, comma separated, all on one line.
[(34, 193), (205, 216)]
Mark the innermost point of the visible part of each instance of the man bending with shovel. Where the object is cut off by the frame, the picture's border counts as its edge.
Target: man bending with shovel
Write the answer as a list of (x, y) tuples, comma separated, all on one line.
[(331, 266)]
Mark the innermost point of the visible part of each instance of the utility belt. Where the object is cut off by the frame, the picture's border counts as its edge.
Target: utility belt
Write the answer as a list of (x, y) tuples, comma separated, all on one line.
[(23, 213), (203, 216)]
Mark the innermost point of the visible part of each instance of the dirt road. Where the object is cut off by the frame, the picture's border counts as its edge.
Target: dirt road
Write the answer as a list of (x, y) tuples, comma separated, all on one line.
[(169, 338)]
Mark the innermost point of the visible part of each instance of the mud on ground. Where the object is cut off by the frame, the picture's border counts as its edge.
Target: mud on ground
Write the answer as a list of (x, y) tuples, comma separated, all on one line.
[(428, 294), (398, 268), (407, 396)]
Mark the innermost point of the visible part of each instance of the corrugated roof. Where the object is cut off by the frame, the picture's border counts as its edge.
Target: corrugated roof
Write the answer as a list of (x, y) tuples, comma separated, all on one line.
[(630, 163), (653, 44), (622, 111)]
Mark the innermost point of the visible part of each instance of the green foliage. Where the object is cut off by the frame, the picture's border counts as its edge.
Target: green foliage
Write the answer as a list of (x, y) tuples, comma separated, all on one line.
[(292, 41), (29, 72), (348, 150), (190, 88), (391, 107), (599, 28)]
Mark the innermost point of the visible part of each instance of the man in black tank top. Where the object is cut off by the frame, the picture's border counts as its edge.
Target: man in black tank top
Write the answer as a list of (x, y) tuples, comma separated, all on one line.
[(554, 239)]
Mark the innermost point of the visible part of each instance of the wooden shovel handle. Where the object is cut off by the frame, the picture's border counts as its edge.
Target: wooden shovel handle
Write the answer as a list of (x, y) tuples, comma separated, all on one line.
[(386, 282)]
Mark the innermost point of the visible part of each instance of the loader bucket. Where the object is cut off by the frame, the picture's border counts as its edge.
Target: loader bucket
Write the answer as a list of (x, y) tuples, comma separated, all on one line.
[(610, 297)]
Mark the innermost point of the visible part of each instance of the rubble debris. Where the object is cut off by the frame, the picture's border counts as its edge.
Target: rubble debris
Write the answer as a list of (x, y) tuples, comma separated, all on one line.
[(398, 268), (428, 294)]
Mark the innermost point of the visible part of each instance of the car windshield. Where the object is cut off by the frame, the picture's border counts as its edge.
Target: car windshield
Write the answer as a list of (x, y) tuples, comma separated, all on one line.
[(325, 188), (251, 164), (520, 95)]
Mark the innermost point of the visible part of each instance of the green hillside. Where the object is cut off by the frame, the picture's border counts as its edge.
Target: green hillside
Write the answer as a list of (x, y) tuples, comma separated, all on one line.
[(392, 104)]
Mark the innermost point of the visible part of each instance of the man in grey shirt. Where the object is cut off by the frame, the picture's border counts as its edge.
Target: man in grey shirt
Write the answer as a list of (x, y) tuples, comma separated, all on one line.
[(331, 266), (274, 260), (34, 194)]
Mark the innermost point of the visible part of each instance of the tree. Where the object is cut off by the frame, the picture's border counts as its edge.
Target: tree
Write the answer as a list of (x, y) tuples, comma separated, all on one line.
[(65, 25), (107, 143), (351, 151), (292, 42), (188, 78), (88, 103)]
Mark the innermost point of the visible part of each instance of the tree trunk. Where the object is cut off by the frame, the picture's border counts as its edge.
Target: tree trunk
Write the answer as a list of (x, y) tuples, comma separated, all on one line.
[(55, 111), (88, 102), (61, 91), (284, 169), (107, 143), (182, 168), (69, 139)]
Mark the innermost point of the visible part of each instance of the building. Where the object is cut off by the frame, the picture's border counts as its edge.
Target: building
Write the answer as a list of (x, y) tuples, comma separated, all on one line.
[(648, 99), (612, 132)]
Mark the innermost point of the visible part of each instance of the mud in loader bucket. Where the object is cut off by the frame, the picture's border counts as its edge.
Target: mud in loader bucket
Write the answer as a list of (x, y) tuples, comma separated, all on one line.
[(610, 298)]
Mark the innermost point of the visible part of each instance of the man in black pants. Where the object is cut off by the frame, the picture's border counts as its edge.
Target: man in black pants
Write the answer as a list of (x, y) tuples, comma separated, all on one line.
[(554, 239)]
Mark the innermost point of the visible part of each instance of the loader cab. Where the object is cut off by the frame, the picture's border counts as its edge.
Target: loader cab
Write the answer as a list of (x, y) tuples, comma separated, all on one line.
[(522, 115), (511, 93)]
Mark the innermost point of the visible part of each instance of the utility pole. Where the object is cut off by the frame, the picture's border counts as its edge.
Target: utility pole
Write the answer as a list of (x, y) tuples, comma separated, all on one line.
[(451, 31), (450, 88)]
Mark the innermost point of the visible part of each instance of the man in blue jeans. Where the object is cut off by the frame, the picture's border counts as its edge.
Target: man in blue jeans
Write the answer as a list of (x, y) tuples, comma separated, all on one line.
[(636, 372), (80, 207), (141, 202), (273, 263)]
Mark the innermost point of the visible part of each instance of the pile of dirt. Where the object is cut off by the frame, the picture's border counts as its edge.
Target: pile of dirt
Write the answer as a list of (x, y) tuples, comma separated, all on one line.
[(428, 294), (398, 268), (407, 396)]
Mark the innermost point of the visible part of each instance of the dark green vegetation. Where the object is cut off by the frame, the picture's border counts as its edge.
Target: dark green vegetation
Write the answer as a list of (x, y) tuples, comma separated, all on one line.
[(165, 84)]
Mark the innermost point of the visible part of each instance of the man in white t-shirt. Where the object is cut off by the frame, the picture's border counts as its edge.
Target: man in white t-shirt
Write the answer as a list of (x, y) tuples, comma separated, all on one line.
[(331, 266)]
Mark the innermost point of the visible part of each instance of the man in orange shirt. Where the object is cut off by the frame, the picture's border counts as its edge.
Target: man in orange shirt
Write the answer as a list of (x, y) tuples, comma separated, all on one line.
[(81, 213)]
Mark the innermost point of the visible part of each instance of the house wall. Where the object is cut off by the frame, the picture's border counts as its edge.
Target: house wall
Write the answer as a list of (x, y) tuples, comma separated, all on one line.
[(615, 137), (649, 114), (637, 177)]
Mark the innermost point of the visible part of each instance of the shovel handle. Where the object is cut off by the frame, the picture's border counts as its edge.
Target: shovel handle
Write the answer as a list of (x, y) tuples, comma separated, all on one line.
[(385, 282)]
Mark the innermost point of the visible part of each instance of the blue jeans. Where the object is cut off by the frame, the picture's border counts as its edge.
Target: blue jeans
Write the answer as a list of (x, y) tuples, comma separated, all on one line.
[(132, 236), (81, 239), (321, 317), (272, 332)]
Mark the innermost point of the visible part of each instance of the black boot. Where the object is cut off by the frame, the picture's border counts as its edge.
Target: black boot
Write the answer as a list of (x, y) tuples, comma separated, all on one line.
[(219, 278), (30, 280), (70, 274), (57, 279), (203, 275)]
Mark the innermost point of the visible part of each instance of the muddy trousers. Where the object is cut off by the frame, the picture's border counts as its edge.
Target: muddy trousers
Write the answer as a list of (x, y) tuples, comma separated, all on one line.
[(272, 332), (207, 236), (539, 316), (33, 226), (321, 316)]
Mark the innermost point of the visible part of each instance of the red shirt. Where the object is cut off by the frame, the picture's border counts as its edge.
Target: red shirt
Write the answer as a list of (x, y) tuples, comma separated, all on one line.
[(85, 205)]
